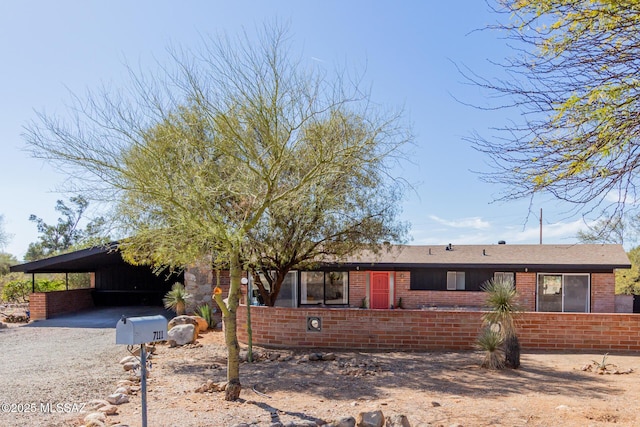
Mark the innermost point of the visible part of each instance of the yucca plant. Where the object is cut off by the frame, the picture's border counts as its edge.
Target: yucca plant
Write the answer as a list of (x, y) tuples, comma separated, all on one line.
[(176, 299), (490, 341), (503, 308)]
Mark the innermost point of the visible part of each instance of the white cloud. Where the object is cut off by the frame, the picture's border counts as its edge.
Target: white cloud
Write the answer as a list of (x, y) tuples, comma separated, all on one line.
[(476, 223)]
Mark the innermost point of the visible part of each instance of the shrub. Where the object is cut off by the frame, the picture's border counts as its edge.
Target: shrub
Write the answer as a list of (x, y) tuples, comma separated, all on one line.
[(18, 291), (206, 312)]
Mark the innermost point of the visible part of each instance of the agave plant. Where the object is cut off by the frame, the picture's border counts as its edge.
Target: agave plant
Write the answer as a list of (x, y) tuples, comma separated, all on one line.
[(206, 312), (503, 309), (176, 299)]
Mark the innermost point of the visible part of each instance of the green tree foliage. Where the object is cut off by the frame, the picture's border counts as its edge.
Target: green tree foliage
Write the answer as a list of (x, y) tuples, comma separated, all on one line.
[(18, 290), (574, 82), (6, 261), (66, 233), (223, 150), (628, 281)]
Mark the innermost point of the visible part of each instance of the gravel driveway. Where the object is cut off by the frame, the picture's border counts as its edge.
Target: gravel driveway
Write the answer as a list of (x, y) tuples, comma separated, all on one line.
[(50, 368)]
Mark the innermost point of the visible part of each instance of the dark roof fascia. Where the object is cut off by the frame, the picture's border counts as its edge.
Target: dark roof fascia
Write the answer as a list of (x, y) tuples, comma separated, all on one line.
[(48, 265), (533, 267)]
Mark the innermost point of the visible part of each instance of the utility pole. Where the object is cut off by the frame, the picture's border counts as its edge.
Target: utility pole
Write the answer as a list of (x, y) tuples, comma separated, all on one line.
[(540, 225)]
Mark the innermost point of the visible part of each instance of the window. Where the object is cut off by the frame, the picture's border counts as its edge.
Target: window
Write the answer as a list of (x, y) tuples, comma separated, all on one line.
[(318, 287), (312, 287), (563, 292), (505, 275), (286, 296), (455, 280)]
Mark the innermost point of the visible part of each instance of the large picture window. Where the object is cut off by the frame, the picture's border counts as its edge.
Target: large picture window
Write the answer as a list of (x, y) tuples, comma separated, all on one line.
[(563, 292), (318, 287), (287, 296)]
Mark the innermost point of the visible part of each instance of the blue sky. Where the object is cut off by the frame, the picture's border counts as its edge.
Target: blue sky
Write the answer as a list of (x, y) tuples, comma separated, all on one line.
[(408, 49)]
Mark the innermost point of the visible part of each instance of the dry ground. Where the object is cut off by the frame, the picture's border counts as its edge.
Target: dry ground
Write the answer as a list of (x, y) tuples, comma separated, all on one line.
[(431, 389)]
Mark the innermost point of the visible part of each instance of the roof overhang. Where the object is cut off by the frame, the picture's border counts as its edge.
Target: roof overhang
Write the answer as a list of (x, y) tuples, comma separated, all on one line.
[(82, 261)]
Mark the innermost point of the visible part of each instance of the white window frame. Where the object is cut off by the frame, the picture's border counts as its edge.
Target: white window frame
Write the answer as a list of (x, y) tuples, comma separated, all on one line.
[(455, 281), (588, 302)]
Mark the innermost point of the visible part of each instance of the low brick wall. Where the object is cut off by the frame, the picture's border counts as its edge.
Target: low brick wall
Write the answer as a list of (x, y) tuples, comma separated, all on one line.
[(44, 305), (420, 330)]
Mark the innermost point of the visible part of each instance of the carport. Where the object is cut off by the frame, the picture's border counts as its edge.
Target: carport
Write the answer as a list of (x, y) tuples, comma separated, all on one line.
[(114, 282)]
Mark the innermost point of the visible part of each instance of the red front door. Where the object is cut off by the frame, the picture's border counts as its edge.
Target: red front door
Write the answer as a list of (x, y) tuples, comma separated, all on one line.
[(379, 289)]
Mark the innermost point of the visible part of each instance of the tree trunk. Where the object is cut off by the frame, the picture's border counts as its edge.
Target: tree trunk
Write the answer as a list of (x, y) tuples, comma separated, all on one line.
[(234, 387), (512, 351), (232, 392)]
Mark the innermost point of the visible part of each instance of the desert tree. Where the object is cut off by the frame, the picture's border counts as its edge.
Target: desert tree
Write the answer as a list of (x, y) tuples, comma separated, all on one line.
[(572, 89), (4, 236), (66, 233), (201, 158)]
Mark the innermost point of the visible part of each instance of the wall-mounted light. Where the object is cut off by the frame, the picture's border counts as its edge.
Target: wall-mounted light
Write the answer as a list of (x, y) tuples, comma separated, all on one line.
[(314, 324)]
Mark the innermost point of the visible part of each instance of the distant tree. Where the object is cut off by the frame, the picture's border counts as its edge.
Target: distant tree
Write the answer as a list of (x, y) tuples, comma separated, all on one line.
[(6, 261), (628, 281), (618, 228), (66, 234), (573, 83), (202, 158), (4, 236)]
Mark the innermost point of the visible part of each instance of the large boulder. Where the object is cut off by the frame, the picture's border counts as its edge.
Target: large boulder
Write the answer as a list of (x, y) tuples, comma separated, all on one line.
[(186, 320), (203, 325), (182, 334)]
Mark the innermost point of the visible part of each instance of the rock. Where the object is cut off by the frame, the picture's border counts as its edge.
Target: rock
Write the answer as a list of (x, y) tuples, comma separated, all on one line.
[(128, 359), (131, 366), (329, 356), (202, 323), (95, 419), (184, 320), (123, 390), (96, 404), (3, 325), (397, 421), (314, 357), (182, 334), (562, 407), (344, 422), (125, 383), (435, 404), (370, 419), (109, 410), (117, 398)]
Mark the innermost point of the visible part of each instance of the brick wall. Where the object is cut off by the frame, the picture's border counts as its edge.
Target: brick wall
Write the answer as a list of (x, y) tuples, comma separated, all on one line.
[(526, 287), (434, 330), (603, 293), (44, 305)]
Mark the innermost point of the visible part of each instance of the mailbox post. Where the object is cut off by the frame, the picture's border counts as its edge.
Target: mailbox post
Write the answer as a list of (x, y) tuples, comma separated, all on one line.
[(141, 330)]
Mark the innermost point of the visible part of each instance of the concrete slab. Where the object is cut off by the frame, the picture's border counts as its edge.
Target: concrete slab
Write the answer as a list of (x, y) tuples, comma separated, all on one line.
[(99, 317)]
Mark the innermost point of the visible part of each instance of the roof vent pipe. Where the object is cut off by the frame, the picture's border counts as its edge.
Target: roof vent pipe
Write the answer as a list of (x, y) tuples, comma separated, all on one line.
[(502, 242), (484, 252)]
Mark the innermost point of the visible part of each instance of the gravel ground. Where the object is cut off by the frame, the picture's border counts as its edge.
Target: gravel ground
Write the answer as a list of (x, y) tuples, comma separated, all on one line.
[(48, 374)]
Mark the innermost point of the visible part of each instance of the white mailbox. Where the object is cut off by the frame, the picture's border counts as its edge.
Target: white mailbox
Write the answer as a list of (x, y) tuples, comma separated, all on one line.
[(141, 330)]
